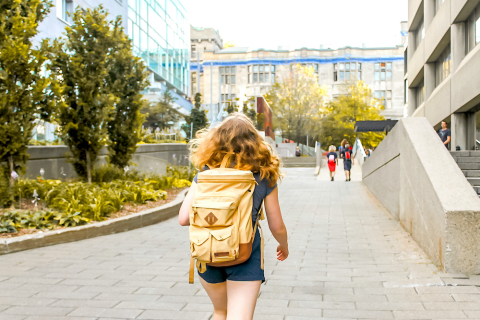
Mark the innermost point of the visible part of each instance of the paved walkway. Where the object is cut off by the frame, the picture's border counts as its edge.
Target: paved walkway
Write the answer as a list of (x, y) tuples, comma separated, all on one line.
[(348, 260)]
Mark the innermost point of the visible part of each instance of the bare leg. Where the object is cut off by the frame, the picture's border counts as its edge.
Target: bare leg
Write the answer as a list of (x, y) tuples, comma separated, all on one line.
[(242, 298), (218, 294)]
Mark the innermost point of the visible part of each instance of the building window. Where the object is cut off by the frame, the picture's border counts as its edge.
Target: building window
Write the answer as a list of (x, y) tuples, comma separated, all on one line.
[(64, 7), (438, 3), (194, 52), (227, 75), (419, 34), (385, 97), (443, 65), (261, 73), (383, 71), (346, 71), (419, 94), (473, 29), (405, 92)]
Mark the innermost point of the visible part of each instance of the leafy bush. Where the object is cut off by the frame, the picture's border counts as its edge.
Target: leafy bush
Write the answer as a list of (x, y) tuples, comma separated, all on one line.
[(76, 203)]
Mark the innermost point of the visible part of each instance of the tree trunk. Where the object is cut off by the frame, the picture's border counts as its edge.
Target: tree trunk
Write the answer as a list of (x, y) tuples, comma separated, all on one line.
[(89, 166), (12, 182)]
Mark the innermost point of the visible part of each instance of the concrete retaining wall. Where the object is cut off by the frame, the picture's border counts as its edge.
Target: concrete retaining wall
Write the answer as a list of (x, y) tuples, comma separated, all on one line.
[(133, 221), (412, 174), (148, 158)]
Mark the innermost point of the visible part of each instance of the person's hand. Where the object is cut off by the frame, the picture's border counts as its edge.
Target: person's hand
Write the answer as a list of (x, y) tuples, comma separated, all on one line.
[(282, 252)]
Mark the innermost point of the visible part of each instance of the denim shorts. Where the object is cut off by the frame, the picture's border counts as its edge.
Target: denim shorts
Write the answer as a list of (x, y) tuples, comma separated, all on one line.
[(250, 270)]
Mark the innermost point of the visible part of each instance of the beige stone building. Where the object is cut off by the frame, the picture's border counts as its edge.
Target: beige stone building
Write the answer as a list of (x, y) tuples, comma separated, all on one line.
[(444, 66), (223, 75)]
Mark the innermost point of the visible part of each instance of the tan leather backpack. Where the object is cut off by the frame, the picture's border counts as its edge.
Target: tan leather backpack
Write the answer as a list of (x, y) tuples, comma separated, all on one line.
[(221, 231)]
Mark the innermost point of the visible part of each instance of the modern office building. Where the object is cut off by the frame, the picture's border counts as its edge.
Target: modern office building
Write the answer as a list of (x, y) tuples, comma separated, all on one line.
[(443, 77), (160, 35), (225, 75)]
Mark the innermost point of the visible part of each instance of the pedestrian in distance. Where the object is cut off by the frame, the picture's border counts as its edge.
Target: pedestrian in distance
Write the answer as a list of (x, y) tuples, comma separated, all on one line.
[(234, 289), (332, 160), (445, 135), (342, 147), (347, 161), (297, 152)]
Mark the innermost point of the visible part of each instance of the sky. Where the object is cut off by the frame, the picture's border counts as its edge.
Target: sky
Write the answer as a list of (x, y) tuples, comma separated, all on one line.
[(301, 23)]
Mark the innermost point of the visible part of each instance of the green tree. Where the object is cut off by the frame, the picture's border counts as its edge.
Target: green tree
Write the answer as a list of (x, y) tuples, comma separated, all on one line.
[(25, 93), (356, 104), (82, 62), (161, 114), (297, 102), (127, 78), (198, 116)]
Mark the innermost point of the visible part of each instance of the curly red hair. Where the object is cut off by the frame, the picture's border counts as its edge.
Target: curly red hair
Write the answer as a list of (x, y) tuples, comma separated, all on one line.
[(238, 136)]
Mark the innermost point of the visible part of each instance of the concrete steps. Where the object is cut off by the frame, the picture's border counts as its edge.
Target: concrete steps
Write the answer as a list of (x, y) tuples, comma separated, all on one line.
[(469, 163), (299, 162)]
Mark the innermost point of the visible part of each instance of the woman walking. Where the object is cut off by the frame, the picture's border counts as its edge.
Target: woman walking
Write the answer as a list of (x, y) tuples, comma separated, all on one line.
[(347, 160), (332, 161), (234, 290)]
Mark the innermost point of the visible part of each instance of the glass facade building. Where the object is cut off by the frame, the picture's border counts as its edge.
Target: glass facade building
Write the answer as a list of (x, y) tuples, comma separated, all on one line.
[(161, 36)]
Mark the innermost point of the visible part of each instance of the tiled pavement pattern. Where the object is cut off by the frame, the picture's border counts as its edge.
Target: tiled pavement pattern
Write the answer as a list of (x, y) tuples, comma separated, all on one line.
[(348, 260)]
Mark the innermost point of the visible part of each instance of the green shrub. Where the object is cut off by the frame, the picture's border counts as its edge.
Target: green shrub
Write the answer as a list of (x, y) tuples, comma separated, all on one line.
[(77, 203)]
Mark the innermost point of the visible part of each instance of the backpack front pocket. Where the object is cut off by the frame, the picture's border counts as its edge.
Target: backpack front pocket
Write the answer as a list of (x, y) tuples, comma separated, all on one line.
[(200, 243), (224, 244), (213, 211)]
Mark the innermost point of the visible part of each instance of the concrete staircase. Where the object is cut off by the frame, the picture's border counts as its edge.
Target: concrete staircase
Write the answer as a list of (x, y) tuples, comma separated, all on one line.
[(469, 162), (297, 162)]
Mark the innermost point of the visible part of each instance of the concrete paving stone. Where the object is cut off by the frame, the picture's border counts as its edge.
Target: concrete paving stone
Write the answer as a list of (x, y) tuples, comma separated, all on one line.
[(429, 314), (89, 282), (322, 305), (186, 315), (296, 283), (204, 307), (290, 296), (357, 314), (122, 313), (385, 291), (86, 312), (12, 317), (268, 317), (419, 297), (389, 306), (288, 311), (472, 314), (454, 305), (466, 297), (147, 284), (151, 305), (16, 301), (447, 289), (318, 290), (104, 289), (37, 311), (358, 284), (86, 303), (127, 297), (58, 318), (65, 295), (168, 291), (354, 298), (32, 287)]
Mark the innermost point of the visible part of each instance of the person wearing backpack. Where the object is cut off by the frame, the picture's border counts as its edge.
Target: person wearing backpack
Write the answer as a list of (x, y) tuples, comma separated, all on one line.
[(347, 161), (332, 161), (238, 175)]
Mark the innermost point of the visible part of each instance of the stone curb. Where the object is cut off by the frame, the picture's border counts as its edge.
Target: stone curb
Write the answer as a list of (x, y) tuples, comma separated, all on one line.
[(130, 222)]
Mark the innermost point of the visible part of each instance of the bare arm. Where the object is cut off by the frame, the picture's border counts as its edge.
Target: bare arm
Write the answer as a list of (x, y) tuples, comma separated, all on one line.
[(276, 225), (448, 140), (184, 213)]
